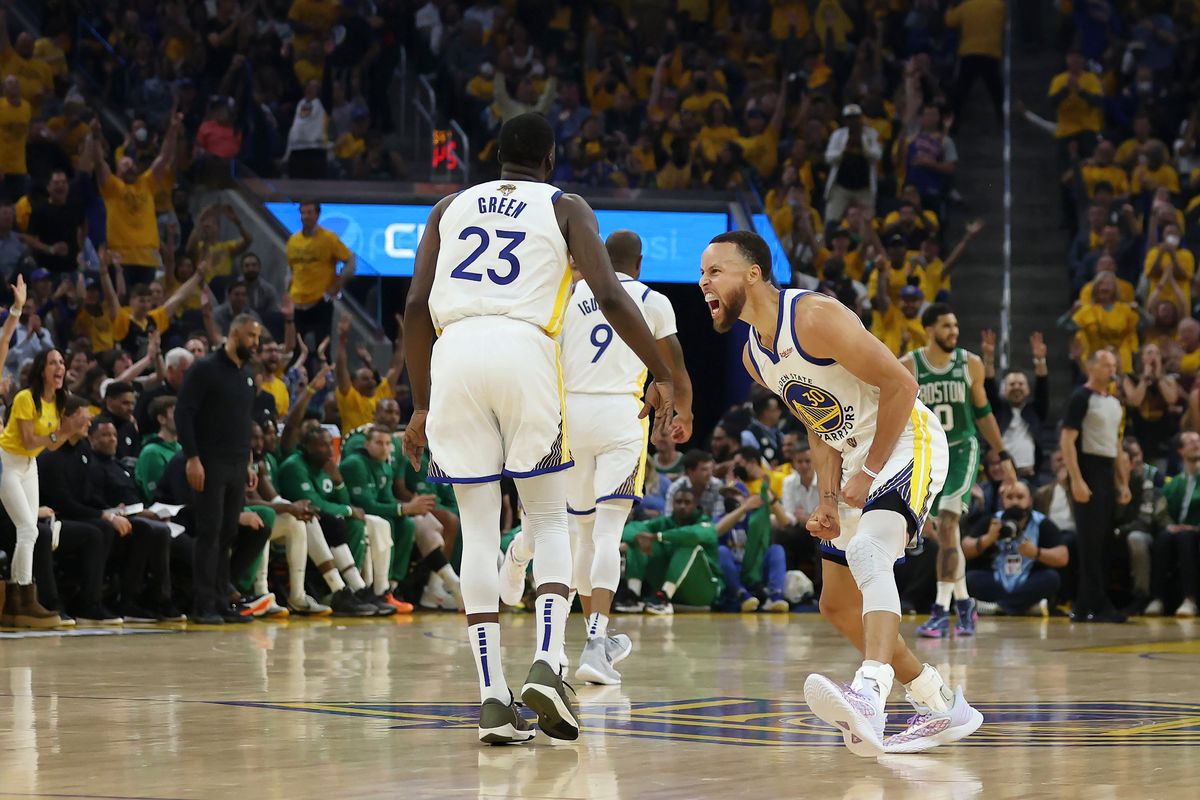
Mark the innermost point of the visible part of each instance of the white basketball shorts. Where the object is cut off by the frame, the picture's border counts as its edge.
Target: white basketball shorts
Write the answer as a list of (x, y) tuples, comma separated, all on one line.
[(496, 403), (608, 444)]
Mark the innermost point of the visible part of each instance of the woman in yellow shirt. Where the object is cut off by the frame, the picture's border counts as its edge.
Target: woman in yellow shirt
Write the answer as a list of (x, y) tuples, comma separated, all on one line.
[(717, 131), (1105, 322), (33, 425)]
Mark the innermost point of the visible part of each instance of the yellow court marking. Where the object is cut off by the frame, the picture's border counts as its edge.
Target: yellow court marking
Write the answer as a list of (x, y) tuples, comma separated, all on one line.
[(1190, 647)]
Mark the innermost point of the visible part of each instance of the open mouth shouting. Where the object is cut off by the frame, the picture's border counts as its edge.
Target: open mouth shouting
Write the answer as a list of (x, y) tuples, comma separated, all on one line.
[(714, 304)]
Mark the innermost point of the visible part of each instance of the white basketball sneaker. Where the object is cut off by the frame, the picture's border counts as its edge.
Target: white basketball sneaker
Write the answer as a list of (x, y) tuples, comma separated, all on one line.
[(858, 714), (512, 577), (927, 728)]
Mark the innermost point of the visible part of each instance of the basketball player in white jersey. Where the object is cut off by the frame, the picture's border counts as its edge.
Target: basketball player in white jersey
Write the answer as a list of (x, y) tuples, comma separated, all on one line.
[(491, 281), (881, 458), (604, 379)]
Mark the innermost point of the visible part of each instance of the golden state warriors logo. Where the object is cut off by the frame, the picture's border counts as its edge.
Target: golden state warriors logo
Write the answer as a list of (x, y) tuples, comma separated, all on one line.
[(819, 410)]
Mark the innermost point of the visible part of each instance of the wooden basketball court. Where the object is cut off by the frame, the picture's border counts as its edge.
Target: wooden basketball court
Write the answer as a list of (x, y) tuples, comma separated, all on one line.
[(711, 707)]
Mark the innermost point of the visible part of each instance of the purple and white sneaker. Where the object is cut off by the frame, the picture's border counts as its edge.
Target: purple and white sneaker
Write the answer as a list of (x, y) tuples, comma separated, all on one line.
[(857, 714), (967, 614), (927, 729)]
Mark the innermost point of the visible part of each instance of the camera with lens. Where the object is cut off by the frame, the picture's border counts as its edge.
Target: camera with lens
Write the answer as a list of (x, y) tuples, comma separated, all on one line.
[(1012, 523)]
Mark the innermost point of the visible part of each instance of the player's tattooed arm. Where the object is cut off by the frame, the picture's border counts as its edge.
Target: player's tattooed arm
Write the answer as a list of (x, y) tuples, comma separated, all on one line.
[(824, 521)]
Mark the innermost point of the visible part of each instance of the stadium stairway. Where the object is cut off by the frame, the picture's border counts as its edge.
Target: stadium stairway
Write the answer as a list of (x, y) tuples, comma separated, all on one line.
[(1039, 293)]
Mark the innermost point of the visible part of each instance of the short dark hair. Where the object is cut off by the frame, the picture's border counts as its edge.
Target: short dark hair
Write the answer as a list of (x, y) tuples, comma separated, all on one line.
[(310, 435), (117, 388), (315, 204), (750, 453), (933, 312), (526, 140), (694, 458), (683, 489), (750, 246), (374, 429), (73, 403), (762, 402), (160, 405), (103, 419), (140, 290)]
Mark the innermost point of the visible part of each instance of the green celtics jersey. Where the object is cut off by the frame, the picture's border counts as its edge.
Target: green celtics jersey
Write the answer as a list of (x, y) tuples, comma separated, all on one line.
[(947, 393)]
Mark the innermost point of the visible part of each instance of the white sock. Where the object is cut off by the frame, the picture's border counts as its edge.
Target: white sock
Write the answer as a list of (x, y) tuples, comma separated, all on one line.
[(319, 552), (875, 676), (380, 553), (296, 541), (448, 577), (597, 625), (960, 589), (669, 589), (485, 644), (551, 627), (944, 591), (260, 579), (345, 564), (930, 690), (635, 586)]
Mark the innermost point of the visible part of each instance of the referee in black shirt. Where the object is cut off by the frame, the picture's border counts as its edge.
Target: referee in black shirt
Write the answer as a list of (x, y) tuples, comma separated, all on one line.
[(1091, 442), (213, 420)]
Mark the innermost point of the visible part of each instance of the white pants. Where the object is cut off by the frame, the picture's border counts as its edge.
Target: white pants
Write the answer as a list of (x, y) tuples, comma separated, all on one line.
[(19, 494)]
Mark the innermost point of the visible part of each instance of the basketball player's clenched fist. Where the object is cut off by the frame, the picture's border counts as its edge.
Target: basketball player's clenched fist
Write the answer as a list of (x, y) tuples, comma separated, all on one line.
[(824, 523), (414, 439)]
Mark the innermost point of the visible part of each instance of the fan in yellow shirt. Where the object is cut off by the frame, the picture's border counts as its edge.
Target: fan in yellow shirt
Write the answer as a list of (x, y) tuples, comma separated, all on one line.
[(1078, 97), (35, 77), (129, 203), (1101, 168), (1167, 256), (206, 244), (1155, 171), (358, 394), (760, 147), (312, 20), (313, 254), (1106, 322), (1106, 263), (15, 116), (897, 325)]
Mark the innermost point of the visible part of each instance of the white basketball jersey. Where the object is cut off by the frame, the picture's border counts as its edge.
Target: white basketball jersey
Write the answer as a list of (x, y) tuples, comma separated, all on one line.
[(502, 254), (824, 395), (595, 359)]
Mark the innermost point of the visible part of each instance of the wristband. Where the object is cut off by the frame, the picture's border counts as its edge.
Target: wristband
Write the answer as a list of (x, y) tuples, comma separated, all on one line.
[(982, 411), (341, 485), (871, 473), (1006, 456), (400, 509), (310, 391)]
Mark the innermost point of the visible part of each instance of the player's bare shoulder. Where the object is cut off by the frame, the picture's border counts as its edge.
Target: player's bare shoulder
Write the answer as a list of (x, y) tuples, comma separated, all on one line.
[(818, 318)]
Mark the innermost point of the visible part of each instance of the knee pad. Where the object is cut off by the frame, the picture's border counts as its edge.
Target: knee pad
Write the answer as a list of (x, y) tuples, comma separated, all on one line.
[(871, 556)]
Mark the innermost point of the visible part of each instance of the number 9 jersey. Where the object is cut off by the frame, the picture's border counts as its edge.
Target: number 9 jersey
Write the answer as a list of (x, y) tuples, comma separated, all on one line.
[(502, 254), (597, 361)]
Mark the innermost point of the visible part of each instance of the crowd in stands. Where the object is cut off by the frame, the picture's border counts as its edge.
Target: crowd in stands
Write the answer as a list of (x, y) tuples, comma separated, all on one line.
[(1125, 124), (839, 115)]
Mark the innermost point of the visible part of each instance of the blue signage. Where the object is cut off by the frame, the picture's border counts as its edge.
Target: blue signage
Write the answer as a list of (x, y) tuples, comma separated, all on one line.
[(385, 237)]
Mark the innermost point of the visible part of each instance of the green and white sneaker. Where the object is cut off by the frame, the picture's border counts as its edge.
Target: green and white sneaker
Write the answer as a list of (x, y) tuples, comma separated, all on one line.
[(503, 724), (545, 693)]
